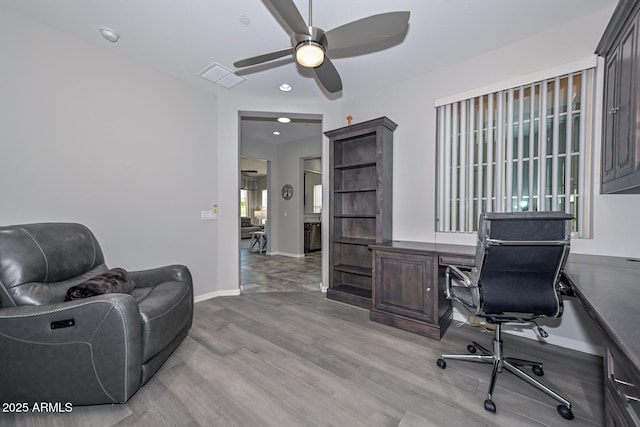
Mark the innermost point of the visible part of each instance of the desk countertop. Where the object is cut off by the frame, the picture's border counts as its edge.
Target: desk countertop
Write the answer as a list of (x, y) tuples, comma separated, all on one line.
[(441, 248), (609, 289)]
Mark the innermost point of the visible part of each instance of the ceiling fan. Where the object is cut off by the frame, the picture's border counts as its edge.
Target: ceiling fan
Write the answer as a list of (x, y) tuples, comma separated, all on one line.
[(312, 45)]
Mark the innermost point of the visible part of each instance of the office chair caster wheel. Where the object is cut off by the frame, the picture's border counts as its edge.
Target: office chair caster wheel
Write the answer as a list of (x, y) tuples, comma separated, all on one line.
[(490, 406), (472, 348), (441, 363), (565, 412), (537, 370)]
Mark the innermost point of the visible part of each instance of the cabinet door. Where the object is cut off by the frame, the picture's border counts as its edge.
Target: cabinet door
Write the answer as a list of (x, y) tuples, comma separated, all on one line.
[(610, 103), (625, 143), (404, 284)]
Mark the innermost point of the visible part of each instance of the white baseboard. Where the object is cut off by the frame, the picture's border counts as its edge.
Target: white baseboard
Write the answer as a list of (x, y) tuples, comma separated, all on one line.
[(229, 293)]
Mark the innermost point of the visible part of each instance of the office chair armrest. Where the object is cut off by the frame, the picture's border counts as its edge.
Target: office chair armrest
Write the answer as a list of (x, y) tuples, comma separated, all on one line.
[(460, 275), (565, 285), (462, 279)]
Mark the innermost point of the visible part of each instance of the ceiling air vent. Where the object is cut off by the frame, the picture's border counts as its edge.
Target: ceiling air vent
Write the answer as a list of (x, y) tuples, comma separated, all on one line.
[(222, 76)]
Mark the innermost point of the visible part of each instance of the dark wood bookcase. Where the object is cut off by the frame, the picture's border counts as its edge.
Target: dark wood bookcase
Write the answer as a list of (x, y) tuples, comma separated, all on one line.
[(360, 179)]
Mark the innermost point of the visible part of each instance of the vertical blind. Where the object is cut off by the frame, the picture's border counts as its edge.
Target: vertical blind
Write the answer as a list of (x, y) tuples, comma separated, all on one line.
[(520, 149)]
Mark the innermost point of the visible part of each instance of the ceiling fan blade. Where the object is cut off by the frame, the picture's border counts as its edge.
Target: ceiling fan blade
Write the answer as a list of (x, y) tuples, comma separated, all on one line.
[(290, 14), (328, 76), (364, 31), (262, 58)]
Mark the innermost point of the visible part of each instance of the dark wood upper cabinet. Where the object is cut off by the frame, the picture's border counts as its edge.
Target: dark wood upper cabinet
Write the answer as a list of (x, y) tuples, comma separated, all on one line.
[(360, 194), (621, 121)]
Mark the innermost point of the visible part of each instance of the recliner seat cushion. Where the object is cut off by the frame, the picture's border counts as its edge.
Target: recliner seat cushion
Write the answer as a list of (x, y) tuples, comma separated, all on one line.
[(165, 310)]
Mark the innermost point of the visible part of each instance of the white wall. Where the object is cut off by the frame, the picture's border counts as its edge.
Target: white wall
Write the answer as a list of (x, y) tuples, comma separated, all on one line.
[(90, 137), (411, 105), (291, 212), (87, 136)]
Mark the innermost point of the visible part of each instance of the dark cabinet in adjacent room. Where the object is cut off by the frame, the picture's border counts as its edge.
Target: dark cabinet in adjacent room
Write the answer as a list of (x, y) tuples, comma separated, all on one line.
[(312, 237), (621, 113)]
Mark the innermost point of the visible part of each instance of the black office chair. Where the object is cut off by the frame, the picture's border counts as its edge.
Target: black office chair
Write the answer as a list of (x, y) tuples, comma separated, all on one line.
[(516, 278)]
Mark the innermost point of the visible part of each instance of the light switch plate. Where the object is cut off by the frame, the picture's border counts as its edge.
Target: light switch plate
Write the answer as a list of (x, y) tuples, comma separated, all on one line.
[(208, 215)]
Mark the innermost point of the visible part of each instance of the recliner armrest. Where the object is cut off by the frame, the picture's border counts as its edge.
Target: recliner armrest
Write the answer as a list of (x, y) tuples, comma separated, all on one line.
[(169, 273), (83, 352)]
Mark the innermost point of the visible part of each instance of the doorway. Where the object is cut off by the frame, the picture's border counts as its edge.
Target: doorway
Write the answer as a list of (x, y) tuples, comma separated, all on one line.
[(285, 147)]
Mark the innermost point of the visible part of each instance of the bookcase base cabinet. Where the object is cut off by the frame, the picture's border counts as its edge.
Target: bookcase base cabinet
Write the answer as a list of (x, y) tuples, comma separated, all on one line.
[(408, 292), (350, 295)]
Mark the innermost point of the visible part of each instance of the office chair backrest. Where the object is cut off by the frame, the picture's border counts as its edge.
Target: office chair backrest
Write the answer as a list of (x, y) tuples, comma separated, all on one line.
[(519, 258)]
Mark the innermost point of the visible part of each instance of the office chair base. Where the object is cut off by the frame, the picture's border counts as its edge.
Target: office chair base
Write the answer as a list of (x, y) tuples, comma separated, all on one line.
[(489, 406), (511, 364), (565, 412), (536, 367)]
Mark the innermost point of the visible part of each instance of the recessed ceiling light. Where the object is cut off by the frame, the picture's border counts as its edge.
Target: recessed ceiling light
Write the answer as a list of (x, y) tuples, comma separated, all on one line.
[(284, 119), (285, 87), (275, 132), (109, 34)]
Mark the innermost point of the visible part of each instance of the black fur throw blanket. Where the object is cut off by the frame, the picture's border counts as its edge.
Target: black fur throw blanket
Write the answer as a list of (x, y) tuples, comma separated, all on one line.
[(115, 280)]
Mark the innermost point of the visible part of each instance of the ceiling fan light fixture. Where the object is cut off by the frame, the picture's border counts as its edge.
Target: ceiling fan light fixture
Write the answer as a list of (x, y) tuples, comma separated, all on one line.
[(310, 54)]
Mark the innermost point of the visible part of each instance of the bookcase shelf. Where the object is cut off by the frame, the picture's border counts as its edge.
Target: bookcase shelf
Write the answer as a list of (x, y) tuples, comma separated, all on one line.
[(360, 178)]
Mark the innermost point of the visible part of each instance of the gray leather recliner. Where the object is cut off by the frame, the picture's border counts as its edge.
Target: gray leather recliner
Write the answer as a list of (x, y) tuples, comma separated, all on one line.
[(87, 351)]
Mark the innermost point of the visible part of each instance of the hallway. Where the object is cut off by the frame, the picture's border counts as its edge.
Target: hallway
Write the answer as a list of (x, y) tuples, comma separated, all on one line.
[(276, 273)]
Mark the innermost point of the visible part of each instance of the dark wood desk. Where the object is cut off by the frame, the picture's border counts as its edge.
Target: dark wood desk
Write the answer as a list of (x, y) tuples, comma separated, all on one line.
[(408, 293), (408, 284), (609, 289)]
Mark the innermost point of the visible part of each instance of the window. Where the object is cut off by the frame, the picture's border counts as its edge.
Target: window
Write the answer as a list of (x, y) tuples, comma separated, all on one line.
[(263, 209), (317, 198), (525, 148), (243, 203)]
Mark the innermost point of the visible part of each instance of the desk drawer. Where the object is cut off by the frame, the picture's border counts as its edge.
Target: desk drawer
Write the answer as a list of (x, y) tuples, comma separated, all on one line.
[(457, 260), (624, 384)]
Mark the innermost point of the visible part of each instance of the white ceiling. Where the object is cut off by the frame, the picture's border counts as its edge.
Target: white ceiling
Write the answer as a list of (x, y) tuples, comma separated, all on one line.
[(260, 129), (248, 165), (184, 38)]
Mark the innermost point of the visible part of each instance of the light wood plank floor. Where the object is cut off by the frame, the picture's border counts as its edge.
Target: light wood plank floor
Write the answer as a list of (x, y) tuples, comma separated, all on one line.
[(298, 359)]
